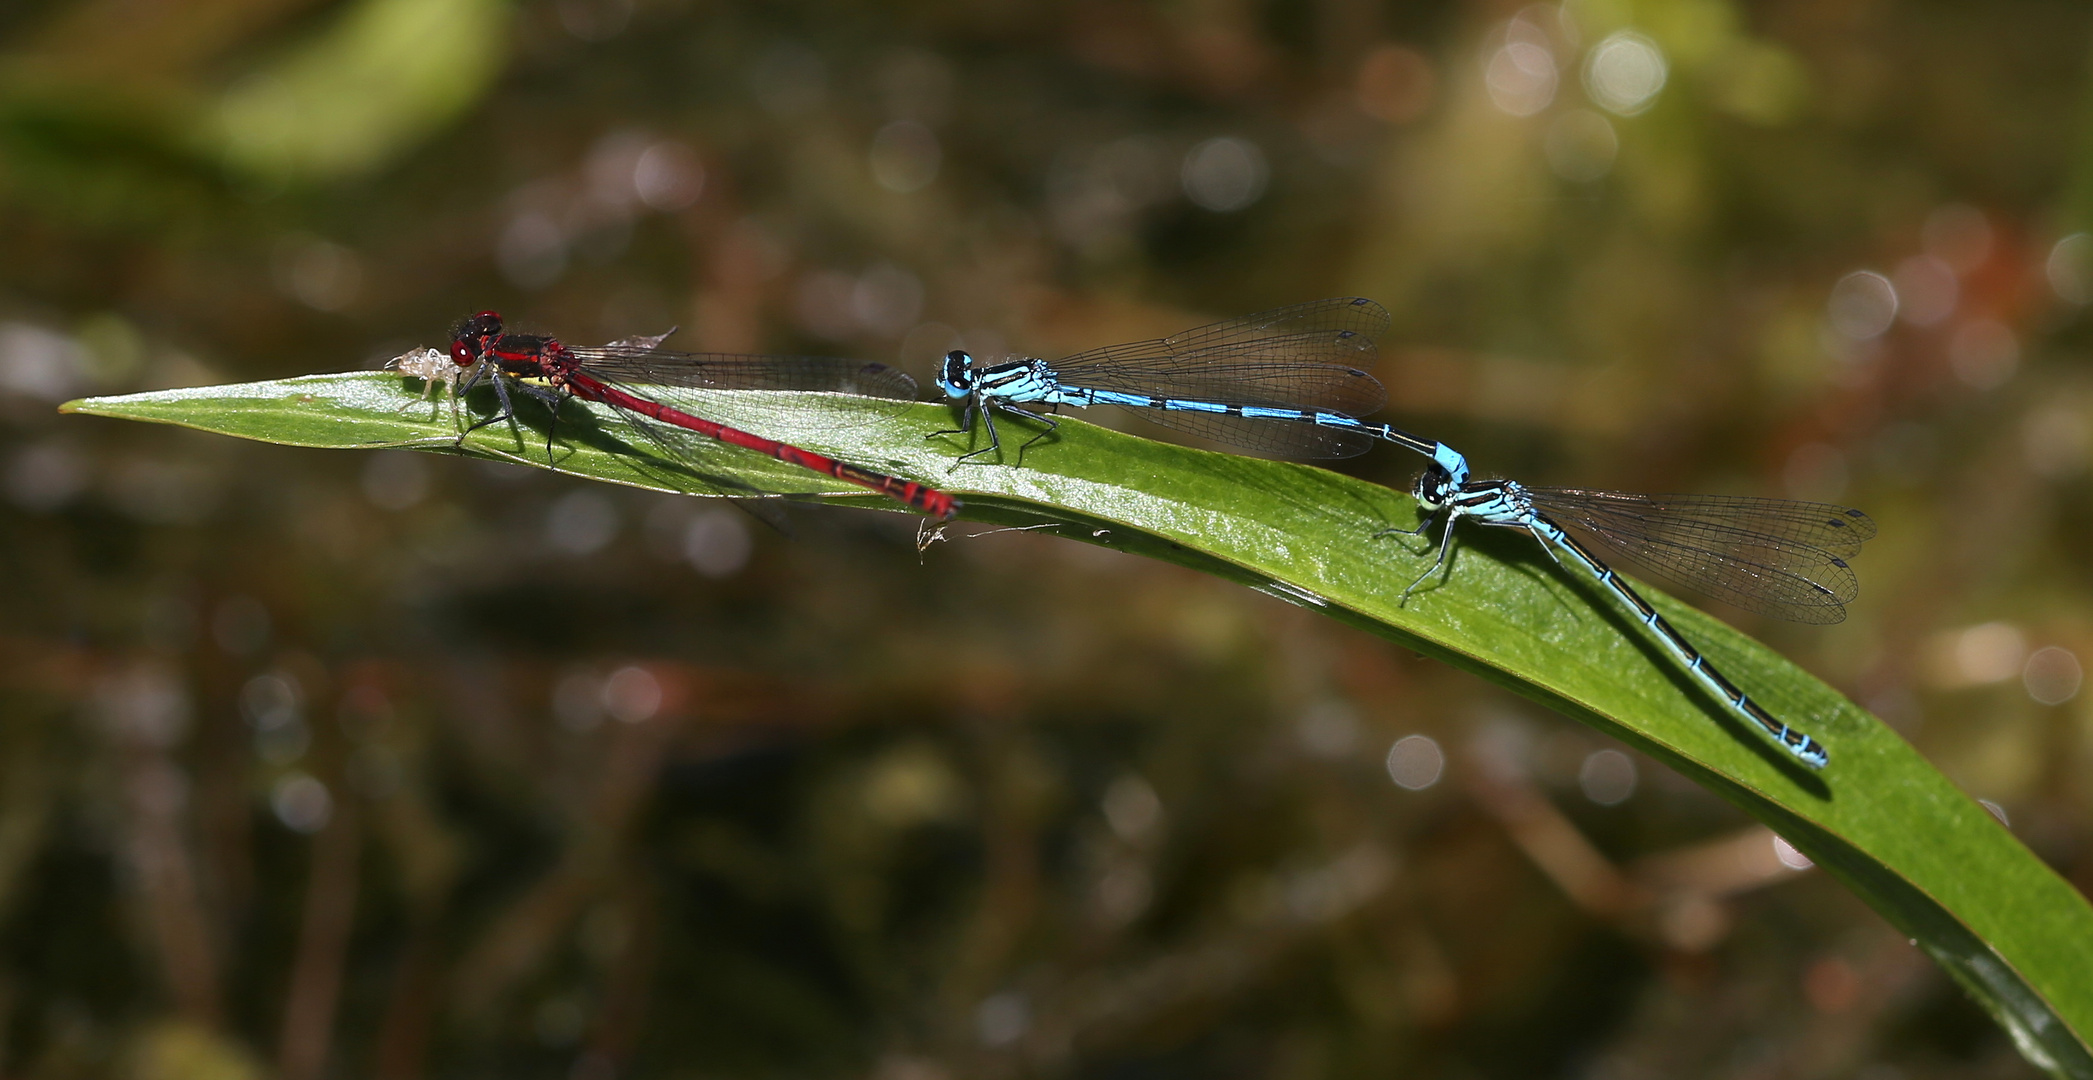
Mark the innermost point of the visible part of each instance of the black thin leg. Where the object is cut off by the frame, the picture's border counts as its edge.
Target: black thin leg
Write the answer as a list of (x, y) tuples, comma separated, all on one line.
[(553, 399), (966, 424), (1392, 530), (1050, 423), (995, 438), (508, 408), (1445, 546)]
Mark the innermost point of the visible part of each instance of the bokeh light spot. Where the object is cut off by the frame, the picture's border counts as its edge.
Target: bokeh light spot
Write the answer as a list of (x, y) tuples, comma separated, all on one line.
[(1976, 656), (668, 176), (321, 275), (40, 363), (301, 803), (1415, 762), (580, 523), (910, 785), (905, 156), (271, 700), (2070, 268), (632, 694), (1003, 1018), (716, 543), (1862, 305), (1607, 777), (146, 703), (1396, 84), (1132, 808), (1521, 77), (2052, 675), (1225, 174), (1624, 73)]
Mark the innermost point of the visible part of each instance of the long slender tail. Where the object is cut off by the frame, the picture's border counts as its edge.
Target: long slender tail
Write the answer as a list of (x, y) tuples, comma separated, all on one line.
[(1805, 749), (929, 500)]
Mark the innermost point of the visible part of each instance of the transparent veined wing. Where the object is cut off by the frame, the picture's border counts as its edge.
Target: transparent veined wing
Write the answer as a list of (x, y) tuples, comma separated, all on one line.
[(642, 360), (1314, 357), (1772, 556)]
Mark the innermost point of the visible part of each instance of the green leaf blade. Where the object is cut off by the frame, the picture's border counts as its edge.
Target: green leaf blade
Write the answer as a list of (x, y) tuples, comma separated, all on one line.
[(2017, 936)]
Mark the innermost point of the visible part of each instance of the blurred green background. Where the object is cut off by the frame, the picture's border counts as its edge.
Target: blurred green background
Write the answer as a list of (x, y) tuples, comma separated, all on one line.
[(320, 764)]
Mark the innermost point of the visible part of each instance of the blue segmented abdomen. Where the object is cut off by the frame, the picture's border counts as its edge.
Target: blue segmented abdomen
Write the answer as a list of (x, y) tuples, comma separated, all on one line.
[(1268, 412), (1501, 511)]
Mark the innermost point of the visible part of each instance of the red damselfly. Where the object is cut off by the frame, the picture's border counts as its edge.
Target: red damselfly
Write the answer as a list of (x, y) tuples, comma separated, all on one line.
[(482, 348)]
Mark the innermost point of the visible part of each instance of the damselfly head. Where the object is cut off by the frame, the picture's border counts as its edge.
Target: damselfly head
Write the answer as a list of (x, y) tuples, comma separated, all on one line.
[(956, 377), (1435, 487), (471, 338)]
